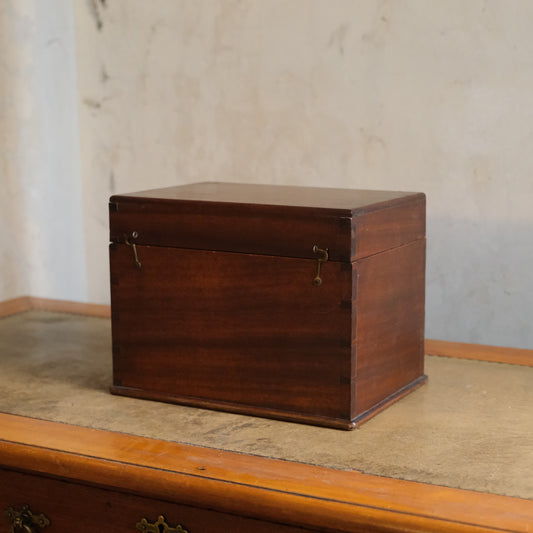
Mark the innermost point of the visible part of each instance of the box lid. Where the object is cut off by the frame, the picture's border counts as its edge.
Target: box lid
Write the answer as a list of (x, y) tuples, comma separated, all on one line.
[(269, 219)]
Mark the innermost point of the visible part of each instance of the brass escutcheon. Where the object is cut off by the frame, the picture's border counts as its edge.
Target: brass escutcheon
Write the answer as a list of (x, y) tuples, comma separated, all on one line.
[(25, 520), (159, 526)]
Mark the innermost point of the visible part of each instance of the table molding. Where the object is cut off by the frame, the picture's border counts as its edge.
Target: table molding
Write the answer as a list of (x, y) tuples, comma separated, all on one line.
[(479, 352), (257, 487), (28, 303)]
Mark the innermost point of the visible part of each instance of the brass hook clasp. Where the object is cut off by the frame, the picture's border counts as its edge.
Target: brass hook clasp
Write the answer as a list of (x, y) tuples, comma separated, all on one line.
[(322, 258), (129, 242)]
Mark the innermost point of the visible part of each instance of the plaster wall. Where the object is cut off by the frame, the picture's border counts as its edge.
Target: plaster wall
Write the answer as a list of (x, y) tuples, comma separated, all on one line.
[(41, 219), (415, 95)]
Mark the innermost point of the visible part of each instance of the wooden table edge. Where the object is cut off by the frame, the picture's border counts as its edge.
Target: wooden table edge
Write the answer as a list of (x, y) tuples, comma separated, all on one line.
[(295, 493), (265, 487)]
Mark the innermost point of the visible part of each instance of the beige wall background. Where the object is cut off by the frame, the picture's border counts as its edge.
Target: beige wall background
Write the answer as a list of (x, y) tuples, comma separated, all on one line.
[(105, 96)]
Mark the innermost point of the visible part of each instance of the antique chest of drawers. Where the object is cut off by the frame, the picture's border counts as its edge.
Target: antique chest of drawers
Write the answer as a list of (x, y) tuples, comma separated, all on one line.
[(61, 506), (303, 304)]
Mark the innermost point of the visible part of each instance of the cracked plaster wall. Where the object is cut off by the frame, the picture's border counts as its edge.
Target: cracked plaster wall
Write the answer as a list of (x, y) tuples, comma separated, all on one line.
[(417, 95)]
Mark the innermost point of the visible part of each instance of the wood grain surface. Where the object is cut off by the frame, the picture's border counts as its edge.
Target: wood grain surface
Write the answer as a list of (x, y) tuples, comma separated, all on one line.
[(235, 328), (444, 348), (295, 494), (480, 352), (390, 323), (220, 310), (348, 201), (269, 220), (72, 506)]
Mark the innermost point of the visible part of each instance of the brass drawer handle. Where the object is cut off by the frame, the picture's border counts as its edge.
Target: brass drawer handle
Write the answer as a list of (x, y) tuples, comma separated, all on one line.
[(160, 526), (25, 520)]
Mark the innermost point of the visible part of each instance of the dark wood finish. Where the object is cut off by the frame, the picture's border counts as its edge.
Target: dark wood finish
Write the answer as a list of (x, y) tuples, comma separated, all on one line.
[(347, 201), (390, 227), (266, 490), (236, 228), (390, 331), (72, 506), (270, 220), (461, 350), (223, 312), (225, 328)]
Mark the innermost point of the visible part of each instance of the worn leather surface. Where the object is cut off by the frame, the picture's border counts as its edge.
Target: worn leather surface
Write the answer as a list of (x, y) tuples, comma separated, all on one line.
[(470, 427)]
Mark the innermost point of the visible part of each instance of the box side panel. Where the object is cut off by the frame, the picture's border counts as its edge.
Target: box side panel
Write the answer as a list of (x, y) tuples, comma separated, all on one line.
[(241, 329), (390, 323), (279, 230), (388, 228), (353, 361)]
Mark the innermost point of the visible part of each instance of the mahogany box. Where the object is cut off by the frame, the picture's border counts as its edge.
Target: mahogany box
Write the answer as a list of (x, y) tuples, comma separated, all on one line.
[(301, 304)]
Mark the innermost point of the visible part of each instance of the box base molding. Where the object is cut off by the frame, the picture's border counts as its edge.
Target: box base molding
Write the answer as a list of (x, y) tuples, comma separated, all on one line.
[(220, 405), (277, 414), (375, 409)]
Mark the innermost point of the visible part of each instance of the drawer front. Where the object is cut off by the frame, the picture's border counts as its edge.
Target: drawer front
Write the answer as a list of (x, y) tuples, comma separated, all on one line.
[(73, 507)]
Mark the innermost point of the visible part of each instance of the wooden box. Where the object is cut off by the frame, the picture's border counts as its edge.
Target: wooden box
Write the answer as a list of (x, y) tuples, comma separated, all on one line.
[(302, 304)]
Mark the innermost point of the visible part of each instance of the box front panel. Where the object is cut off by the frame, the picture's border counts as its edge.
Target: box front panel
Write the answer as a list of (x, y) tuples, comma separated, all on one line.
[(244, 329)]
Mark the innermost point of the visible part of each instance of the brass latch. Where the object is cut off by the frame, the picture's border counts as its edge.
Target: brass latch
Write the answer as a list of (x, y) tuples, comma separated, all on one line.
[(322, 258), (129, 242)]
